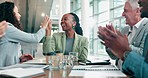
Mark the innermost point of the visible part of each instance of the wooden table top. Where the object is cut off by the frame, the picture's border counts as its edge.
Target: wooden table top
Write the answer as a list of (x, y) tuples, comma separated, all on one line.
[(65, 74), (57, 74)]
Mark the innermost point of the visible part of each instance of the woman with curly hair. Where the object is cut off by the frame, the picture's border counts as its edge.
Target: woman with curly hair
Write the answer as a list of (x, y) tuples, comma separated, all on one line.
[(10, 43)]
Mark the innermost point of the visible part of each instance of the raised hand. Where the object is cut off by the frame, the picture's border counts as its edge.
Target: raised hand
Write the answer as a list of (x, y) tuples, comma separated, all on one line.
[(49, 28), (45, 22)]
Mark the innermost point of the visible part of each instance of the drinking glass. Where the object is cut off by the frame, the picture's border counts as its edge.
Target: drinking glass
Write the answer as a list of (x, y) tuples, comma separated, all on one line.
[(73, 56)]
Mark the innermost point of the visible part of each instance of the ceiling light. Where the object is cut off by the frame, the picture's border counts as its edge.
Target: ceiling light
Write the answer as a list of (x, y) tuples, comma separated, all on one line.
[(45, 0), (42, 14), (57, 6)]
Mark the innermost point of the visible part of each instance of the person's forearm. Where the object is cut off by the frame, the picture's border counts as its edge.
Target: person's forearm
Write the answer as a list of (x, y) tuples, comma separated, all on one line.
[(137, 49), (134, 63), (48, 32)]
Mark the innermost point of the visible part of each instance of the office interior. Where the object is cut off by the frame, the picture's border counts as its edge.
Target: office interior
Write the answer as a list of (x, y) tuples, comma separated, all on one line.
[(92, 13)]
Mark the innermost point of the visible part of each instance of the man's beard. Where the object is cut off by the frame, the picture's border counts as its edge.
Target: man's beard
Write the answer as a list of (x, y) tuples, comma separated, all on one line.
[(144, 14)]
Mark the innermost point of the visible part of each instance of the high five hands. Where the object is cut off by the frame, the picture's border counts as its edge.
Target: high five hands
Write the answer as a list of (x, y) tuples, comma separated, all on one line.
[(47, 24)]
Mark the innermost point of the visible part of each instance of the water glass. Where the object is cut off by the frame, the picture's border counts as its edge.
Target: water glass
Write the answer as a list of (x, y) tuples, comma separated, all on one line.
[(66, 62), (54, 62), (73, 56)]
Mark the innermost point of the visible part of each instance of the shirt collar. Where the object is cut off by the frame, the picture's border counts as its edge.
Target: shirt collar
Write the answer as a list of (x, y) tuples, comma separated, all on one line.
[(137, 25)]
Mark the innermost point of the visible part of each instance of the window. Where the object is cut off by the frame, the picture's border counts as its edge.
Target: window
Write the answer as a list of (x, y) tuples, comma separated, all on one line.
[(102, 12)]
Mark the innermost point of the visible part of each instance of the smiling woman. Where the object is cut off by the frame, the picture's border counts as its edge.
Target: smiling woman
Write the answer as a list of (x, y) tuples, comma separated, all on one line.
[(68, 41), (10, 43)]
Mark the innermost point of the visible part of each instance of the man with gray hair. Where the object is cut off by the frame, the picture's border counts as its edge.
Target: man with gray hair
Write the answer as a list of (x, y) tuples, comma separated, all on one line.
[(135, 64), (136, 31)]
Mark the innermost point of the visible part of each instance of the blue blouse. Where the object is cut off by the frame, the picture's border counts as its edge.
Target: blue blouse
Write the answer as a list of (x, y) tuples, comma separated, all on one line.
[(10, 44)]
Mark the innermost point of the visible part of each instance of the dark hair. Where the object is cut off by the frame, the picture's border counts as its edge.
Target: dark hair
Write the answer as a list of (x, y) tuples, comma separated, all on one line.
[(78, 29), (144, 10), (7, 14), (144, 14)]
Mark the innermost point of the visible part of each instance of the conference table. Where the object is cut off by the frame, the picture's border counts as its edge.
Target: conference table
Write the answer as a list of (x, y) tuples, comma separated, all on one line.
[(65, 73), (56, 74)]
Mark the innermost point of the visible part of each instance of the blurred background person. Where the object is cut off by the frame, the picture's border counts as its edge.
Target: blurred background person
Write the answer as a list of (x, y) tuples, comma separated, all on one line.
[(10, 43), (68, 41)]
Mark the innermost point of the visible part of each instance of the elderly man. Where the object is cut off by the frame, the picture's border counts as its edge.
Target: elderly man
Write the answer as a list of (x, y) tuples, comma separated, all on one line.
[(137, 29), (134, 63)]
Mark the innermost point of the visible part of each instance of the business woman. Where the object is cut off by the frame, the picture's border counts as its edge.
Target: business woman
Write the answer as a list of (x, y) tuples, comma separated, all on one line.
[(71, 40), (10, 43)]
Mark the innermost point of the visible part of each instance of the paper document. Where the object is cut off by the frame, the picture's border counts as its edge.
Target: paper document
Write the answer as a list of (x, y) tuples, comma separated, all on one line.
[(97, 74), (97, 71), (22, 72), (96, 68), (22, 66), (36, 61)]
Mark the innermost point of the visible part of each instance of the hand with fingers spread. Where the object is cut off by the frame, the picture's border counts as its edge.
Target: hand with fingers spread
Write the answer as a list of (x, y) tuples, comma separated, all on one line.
[(3, 27)]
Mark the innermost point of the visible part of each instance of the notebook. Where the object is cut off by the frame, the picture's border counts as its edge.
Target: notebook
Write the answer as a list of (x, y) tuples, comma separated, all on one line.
[(36, 61), (22, 66), (97, 74), (98, 62), (96, 68)]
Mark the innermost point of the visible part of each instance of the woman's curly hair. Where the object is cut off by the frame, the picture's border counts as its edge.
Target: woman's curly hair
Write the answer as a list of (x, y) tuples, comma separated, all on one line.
[(7, 14)]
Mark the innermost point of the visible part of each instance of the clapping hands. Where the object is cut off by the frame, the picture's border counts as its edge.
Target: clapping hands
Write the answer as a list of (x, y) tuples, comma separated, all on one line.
[(114, 39)]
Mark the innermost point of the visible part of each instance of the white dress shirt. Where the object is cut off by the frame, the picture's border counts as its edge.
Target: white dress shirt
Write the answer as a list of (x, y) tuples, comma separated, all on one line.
[(130, 37), (133, 31)]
